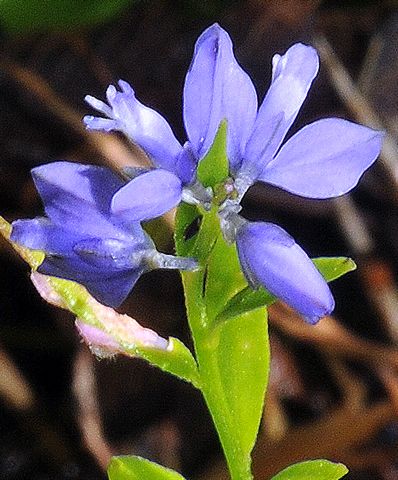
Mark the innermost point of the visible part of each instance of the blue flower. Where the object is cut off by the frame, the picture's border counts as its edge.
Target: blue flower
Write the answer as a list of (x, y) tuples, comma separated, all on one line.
[(175, 163), (322, 160), (325, 159), (271, 258), (84, 240)]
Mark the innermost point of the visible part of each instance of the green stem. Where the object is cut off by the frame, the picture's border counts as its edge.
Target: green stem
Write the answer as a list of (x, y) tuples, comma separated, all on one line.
[(206, 340), (239, 464)]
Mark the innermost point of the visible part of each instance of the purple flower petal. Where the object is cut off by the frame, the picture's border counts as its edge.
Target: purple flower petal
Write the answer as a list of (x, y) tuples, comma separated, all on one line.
[(88, 183), (41, 234), (148, 196), (110, 289), (141, 124), (292, 77), (99, 123), (107, 267), (324, 159), (114, 290), (186, 163), (271, 258), (216, 88), (99, 105), (78, 196)]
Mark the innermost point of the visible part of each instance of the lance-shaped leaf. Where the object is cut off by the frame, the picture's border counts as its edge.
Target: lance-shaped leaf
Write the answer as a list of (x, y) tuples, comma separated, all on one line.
[(333, 268), (124, 334), (137, 468), (243, 350), (314, 470)]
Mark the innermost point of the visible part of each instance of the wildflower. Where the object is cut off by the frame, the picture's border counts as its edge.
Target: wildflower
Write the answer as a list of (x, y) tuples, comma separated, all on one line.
[(270, 257), (176, 163), (325, 159), (322, 160), (84, 239)]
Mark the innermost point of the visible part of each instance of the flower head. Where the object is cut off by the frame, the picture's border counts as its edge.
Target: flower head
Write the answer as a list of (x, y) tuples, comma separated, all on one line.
[(270, 257), (82, 236), (322, 160), (325, 159)]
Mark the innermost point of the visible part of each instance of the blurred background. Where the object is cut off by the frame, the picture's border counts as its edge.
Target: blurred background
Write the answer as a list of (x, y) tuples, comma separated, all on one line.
[(334, 387)]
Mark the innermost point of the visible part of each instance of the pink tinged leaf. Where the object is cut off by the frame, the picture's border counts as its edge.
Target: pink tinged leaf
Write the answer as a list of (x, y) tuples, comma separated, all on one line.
[(114, 330), (42, 283), (101, 344), (124, 329)]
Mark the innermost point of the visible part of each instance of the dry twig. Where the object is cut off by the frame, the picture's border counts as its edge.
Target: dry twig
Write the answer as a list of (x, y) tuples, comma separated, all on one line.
[(88, 415), (109, 147)]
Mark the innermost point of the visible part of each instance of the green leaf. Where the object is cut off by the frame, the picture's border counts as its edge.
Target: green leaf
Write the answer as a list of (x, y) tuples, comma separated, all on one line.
[(333, 268), (214, 167), (248, 299), (137, 468), (243, 361), (243, 351), (20, 16), (224, 277), (177, 359), (314, 470)]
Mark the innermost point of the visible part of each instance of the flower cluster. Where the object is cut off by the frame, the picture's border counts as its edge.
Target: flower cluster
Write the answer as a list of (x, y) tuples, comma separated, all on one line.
[(93, 234)]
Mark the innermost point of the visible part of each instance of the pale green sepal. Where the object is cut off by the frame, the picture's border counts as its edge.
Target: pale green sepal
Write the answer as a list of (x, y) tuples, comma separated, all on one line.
[(214, 167), (314, 470), (137, 468)]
